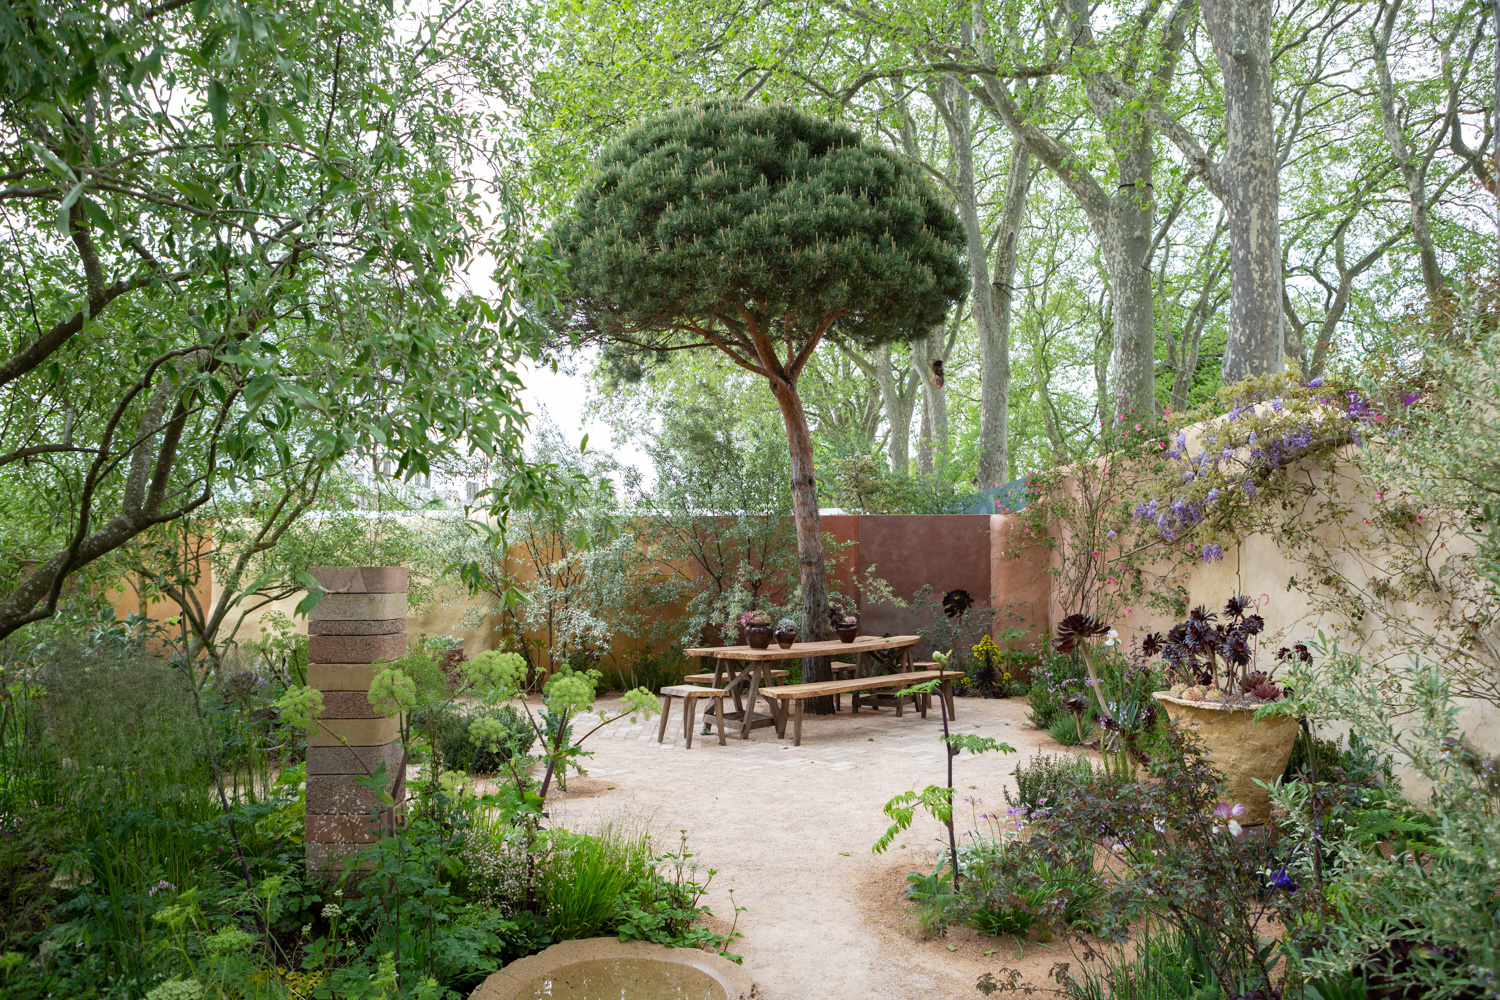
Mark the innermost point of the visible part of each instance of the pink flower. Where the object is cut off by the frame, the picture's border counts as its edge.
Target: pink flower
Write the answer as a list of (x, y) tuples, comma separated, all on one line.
[(1094, 553), (1111, 579), (1127, 611)]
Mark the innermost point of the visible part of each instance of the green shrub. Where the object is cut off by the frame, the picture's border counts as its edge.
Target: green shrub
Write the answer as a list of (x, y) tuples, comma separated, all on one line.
[(650, 670), (480, 740), (1164, 966), (1017, 689), (1043, 780), (1053, 678), (1064, 729), (1009, 887), (587, 876)]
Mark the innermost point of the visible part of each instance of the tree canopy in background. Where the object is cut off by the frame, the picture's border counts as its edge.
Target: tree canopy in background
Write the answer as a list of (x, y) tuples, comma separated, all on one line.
[(235, 242), (1380, 122)]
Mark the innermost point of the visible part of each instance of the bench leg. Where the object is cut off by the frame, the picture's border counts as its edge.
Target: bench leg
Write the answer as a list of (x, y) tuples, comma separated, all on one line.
[(778, 712), (720, 716), (689, 716), (666, 710), (922, 701), (838, 703), (797, 722)]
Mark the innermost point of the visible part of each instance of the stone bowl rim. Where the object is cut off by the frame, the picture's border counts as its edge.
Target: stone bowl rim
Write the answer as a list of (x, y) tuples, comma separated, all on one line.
[(514, 982), (1212, 706)]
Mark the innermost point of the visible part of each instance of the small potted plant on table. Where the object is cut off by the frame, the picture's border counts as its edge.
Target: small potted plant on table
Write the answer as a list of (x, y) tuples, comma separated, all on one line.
[(845, 626), (757, 626), (786, 633)]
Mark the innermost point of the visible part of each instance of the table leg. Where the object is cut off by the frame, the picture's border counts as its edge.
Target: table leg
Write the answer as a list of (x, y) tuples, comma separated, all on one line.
[(718, 705), (754, 671), (666, 710), (719, 715)]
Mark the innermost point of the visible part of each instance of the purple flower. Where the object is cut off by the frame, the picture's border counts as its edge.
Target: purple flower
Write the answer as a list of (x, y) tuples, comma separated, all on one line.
[(1316, 383), (1250, 490), (1213, 552), (1284, 881), (1213, 495)]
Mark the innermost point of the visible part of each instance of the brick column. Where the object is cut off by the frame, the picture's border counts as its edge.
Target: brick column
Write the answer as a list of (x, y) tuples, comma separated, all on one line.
[(361, 619)]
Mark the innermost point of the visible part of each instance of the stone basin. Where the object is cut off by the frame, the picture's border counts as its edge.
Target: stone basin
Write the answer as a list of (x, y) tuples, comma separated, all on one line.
[(1246, 749), (611, 969)]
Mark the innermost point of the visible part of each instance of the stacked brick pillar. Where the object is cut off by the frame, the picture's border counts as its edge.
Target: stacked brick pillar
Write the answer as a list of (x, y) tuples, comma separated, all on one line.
[(360, 620)]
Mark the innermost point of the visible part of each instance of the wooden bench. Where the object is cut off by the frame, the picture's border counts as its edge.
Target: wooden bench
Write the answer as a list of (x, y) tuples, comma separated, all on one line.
[(690, 696), (798, 693), (775, 675)]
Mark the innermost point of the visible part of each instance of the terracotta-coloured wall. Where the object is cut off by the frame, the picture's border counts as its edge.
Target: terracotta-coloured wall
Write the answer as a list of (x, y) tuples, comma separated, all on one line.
[(1020, 580), (909, 552)]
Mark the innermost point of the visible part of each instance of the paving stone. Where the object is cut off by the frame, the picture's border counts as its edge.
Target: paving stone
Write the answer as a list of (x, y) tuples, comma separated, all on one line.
[(358, 626), (353, 759), (361, 579), (359, 607), (357, 732), (355, 648), (343, 794)]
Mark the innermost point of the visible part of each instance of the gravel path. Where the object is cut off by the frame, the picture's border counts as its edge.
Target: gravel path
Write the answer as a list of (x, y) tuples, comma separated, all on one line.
[(789, 830)]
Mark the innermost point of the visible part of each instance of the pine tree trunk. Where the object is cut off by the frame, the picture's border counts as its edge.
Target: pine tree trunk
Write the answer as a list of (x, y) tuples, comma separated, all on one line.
[(812, 570), (1241, 33)]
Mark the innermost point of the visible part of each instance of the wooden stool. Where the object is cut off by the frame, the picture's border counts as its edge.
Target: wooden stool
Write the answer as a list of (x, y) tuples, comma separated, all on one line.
[(690, 696)]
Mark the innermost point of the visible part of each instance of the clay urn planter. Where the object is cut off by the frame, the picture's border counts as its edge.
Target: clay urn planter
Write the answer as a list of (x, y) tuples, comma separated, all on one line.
[(758, 636), (847, 630), (786, 633), (1244, 748)]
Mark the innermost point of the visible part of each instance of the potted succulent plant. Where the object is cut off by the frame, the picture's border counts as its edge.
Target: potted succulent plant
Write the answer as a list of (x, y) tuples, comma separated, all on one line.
[(786, 633), (757, 626), (1216, 692)]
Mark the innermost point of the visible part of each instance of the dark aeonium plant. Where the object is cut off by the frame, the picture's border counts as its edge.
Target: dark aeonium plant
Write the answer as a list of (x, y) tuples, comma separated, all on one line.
[(1209, 659)]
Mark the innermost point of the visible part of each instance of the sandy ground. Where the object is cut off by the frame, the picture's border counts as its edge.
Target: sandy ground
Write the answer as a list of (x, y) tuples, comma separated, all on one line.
[(789, 831)]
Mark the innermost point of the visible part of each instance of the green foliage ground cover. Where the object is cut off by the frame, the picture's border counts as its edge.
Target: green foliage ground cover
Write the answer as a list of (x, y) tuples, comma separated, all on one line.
[(123, 874)]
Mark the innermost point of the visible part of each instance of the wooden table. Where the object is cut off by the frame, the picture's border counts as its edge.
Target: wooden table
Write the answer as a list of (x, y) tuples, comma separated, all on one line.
[(873, 654)]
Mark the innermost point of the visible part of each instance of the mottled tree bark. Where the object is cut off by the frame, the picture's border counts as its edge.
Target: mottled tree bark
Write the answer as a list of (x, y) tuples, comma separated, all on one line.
[(924, 351), (897, 396), (812, 571), (1249, 186)]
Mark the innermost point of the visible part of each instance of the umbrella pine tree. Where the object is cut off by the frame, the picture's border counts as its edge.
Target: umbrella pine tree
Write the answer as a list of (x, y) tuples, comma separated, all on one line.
[(758, 231)]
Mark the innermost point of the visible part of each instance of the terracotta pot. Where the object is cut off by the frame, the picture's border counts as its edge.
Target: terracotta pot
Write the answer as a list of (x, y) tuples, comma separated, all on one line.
[(847, 633), (757, 638), (785, 639), (1245, 749)]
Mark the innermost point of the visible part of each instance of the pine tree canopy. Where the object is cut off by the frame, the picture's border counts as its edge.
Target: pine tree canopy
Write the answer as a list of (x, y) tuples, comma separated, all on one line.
[(753, 228)]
